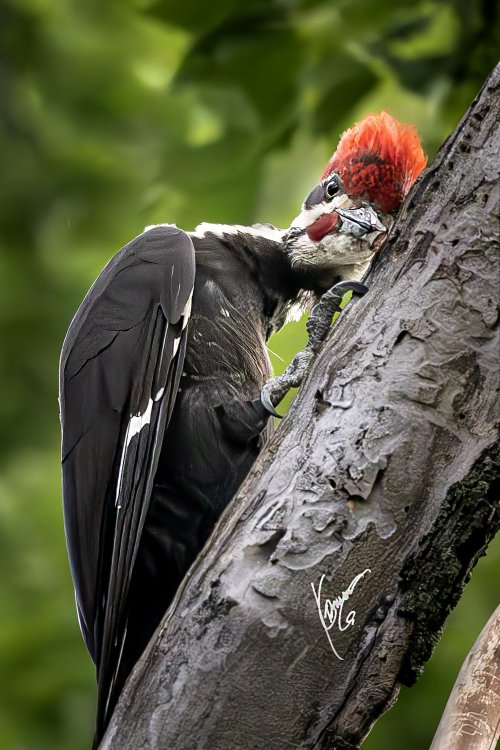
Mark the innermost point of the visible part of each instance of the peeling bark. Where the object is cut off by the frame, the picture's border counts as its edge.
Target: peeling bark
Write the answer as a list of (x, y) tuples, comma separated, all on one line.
[(471, 719), (387, 465)]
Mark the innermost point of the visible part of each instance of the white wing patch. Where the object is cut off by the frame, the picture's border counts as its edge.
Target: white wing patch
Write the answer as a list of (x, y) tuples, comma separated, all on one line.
[(137, 422), (187, 311), (135, 425)]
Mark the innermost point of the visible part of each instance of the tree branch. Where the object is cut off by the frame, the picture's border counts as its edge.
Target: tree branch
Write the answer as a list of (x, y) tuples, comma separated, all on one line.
[(386, 465), (471, 719)]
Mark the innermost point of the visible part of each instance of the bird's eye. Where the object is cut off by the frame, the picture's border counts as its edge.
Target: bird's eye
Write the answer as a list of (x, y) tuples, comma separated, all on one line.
[(332, 188)]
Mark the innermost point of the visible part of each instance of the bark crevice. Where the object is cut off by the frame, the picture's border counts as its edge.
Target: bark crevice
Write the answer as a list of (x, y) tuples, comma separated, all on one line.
[(433, 580)]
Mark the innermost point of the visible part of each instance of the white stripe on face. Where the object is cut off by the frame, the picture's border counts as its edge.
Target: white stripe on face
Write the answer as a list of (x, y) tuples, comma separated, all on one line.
[(309, 215)]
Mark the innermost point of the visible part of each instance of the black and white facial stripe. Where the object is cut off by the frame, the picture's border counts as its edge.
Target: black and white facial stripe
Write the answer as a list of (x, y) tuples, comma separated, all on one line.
[(324, 192)]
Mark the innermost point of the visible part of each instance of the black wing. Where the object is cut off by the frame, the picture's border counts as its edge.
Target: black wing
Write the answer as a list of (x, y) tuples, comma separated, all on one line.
[(121, 363)]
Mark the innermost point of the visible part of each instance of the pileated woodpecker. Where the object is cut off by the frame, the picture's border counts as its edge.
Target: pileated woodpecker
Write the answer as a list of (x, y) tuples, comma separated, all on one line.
[(161, 377)]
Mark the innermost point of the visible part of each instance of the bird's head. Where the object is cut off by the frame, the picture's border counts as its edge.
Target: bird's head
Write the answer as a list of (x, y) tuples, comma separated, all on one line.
[(344, 217)]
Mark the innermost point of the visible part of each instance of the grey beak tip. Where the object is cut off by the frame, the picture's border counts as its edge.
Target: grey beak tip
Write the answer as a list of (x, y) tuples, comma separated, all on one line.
[(364, 217)]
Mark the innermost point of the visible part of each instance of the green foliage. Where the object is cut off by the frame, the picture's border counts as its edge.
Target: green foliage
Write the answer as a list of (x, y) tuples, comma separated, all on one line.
[(120, 114)]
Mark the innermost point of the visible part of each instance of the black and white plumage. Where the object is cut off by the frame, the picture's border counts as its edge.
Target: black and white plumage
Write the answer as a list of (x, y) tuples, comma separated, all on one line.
[(160, 381), (120, 369), (164, 382), (160, 378)]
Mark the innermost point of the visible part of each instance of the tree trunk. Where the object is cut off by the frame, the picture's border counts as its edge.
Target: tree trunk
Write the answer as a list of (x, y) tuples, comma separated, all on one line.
[(471, 719), (327, 581)]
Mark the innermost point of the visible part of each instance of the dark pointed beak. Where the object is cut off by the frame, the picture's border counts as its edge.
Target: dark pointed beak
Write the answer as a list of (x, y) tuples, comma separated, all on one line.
[(364, 217)]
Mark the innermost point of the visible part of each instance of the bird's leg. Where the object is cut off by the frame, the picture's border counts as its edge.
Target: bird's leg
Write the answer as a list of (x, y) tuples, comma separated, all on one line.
[(317, 326), (320, 319)]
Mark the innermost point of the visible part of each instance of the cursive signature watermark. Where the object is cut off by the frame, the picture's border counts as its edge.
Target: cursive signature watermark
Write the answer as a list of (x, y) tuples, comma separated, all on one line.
[(331, 610)]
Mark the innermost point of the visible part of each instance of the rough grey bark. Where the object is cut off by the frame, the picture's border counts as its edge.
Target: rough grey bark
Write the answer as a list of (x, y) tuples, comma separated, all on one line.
[(471, 719), (387, 462)]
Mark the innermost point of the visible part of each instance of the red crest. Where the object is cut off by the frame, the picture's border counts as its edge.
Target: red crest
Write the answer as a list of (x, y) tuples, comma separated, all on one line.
[(378, 159)]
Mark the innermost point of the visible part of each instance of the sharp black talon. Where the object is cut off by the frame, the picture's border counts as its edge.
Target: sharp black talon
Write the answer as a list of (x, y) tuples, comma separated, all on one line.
[(266, 403), (350, 286), (360, 288)]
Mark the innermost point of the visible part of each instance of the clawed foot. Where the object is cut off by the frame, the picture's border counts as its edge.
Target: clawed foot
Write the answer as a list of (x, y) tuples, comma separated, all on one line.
[(277, 388), (317, 326)]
